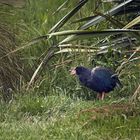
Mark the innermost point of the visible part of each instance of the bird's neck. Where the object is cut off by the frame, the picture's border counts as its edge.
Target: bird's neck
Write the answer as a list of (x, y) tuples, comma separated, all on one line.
[(85, 74)]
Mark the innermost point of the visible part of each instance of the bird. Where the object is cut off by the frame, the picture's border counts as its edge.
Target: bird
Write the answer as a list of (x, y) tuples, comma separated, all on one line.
[(99, 79)]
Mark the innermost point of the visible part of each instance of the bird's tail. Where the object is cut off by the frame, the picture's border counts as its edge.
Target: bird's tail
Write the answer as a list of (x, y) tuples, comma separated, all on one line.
[(119, 83), (115, 76)]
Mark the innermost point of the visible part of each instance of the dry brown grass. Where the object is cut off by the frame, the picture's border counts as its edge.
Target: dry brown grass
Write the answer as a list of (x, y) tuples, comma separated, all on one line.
[(106, 111)]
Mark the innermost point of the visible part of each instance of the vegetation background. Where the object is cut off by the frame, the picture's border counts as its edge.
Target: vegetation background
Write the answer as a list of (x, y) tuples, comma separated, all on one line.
[(40, 41)]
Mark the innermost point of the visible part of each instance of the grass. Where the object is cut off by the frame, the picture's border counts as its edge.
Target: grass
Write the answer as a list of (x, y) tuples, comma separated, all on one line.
[(57, 117), (54, 107)]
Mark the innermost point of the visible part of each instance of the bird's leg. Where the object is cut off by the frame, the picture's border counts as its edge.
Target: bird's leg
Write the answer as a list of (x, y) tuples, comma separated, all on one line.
[(98, 96), (102, 95)]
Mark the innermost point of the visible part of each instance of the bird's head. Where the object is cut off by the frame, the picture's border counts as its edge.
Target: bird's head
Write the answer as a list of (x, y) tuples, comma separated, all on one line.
[(78, 70)]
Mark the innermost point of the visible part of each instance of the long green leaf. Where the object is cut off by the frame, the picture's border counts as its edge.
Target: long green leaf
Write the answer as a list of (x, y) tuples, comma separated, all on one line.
[(132, 23), (97, 20), (84, 19), (100, 18), (80, 34), (67, 16), (90, 32), (76, 50)]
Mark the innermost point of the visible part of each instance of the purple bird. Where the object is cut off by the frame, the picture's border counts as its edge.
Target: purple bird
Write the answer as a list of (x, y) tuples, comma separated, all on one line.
[(99, 79)]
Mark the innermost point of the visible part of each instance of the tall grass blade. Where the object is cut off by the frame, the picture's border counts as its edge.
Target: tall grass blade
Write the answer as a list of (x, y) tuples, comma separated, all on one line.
[(45, 60), (136, 94), (60, 7), (14, 3), (34, 41)]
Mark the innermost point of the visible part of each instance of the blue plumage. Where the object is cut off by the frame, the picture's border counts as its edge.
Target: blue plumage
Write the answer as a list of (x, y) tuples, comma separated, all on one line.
[(99, 79)]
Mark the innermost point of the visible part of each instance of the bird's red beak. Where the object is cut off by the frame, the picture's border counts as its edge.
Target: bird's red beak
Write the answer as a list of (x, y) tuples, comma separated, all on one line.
[(73, 71)]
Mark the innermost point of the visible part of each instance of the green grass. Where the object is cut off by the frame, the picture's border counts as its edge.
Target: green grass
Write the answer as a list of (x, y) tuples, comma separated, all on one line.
[(51, 109), (59, 117)]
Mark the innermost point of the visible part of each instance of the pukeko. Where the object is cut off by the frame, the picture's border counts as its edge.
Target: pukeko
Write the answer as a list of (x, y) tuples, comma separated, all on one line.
[(99, 79)]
